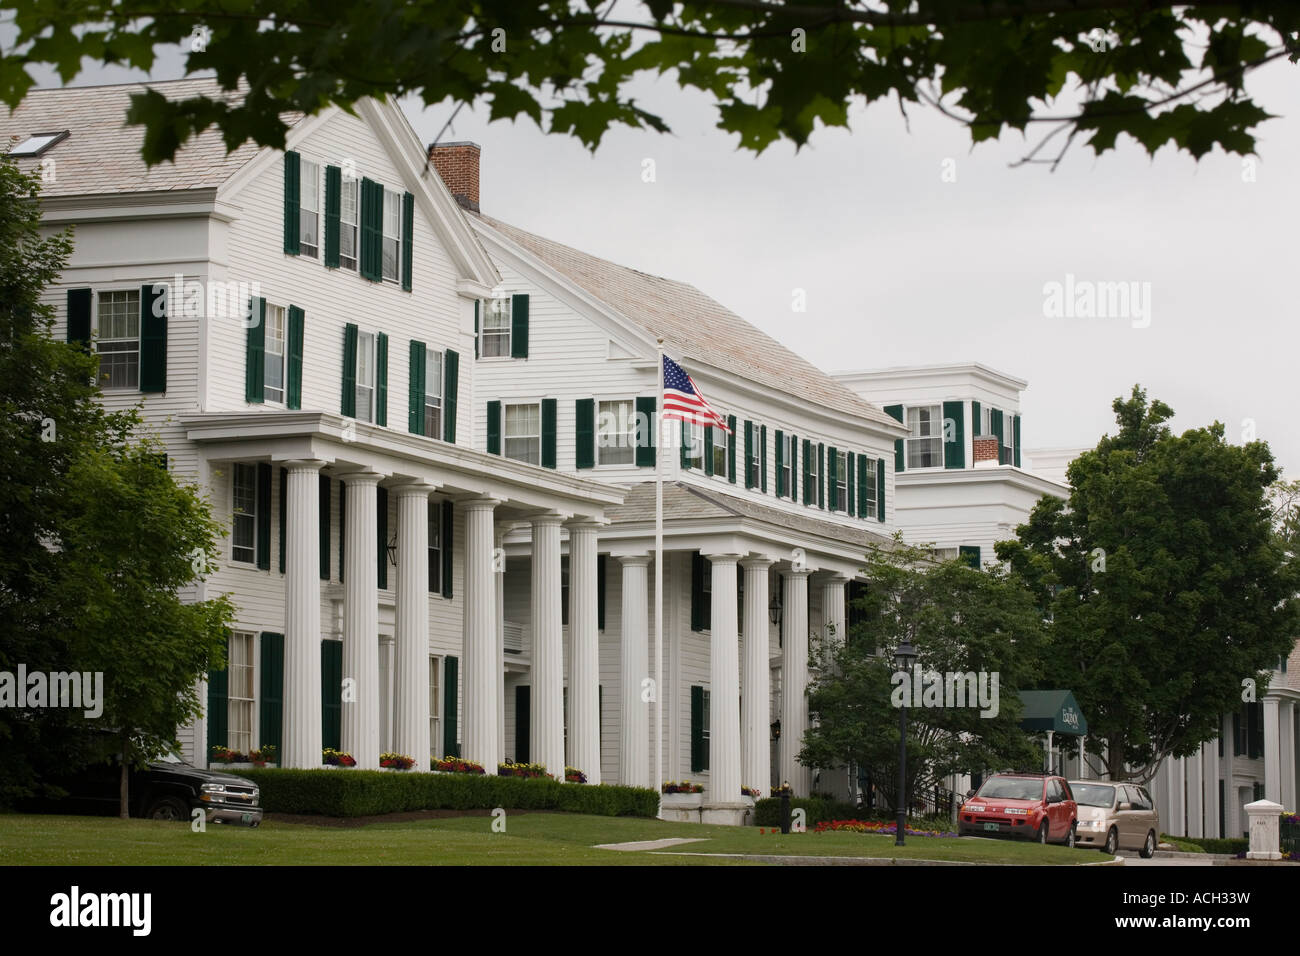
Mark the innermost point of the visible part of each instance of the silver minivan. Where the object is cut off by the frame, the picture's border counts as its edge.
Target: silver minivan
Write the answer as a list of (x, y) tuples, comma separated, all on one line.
[(1116, 816)]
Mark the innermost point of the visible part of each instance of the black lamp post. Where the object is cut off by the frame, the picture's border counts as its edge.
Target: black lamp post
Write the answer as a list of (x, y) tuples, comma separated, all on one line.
[(903, 659)]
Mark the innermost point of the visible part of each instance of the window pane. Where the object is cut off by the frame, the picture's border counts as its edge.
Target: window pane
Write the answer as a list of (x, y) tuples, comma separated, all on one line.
[(244, 506), (274, 353), (309, 209), (616, 433)]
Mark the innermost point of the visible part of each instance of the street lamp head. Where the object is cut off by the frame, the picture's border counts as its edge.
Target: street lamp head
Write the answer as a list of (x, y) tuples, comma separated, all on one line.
[(905, 655), (774, 608)]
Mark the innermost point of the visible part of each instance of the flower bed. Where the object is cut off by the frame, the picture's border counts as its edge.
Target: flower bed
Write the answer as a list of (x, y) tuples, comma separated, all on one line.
[(335, 758), (455, 765), (392, 761), (874, 826), (529, 771), (683, 786)]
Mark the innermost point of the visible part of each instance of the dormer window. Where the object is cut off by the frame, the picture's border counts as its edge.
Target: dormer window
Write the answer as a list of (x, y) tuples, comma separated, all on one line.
[(38, 143)]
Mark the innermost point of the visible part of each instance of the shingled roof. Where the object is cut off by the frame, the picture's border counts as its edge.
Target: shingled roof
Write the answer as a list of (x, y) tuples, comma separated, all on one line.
[(693, 325), (102, 154)]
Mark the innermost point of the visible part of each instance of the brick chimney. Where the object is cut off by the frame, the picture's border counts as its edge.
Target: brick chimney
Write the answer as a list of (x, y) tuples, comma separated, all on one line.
[(985, 450), (457, 164)]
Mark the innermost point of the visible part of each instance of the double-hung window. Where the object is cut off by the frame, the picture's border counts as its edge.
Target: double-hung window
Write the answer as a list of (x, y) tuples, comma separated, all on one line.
[(239, 692), (523, 433), (868, 488), (986, 421), (720, 439), (616, 433), (273, 382), (365, 406), (392, 233), (754, 473), (435, 704), (118, 343), (694, 438), (814, 475), (841, 475), (787, 471), (433, 393), (349, 203), (494, 336), (309, 210), (925, 442), (435, 549), (244, 508), (1007, 453)]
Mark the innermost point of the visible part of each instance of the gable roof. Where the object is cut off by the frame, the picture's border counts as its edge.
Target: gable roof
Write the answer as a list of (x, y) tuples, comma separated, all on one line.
[(693, 325), (102, 153)]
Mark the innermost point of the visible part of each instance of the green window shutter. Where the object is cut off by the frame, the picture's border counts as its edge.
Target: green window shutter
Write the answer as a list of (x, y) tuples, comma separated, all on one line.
[(549, 411), (1015, 439), (780, 463), (450, 394), (731, 449), (954, 450), (708, 450), (331, 694), (153, 337), (862, 487), (218, 713), (294, 357), (896, 412), (79, 308), (494, 428), (821, 475), (450, 702), (284, 514), (291, 186), (749, 454), (343, 523), (263, 516), (880, 488), (584, 433), (970, 554), (832, 479), (523, 723), (447, 530), (686, 450), (848, 483), (408, 240), (415, 390), (645, 446), (371, 250), (476, 302), (255, 353), (381, 507), (808, 491), (995, 425), (762, 459), (270, 719), (793, 490), (381, 378), (349, 404), (701, 612), (699, 746), (519, 326), (324, 505), (333, 210), (975, 420), (600, 592)]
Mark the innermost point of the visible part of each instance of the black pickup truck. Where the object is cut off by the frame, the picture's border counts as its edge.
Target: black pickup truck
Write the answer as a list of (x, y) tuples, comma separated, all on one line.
[(167, 789)]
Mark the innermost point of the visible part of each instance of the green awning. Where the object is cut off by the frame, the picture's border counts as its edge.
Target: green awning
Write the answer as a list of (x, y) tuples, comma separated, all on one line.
[(1054, 710)]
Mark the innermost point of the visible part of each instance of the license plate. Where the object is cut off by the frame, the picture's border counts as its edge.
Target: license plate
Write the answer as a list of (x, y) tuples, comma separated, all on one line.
[(991, 826), (245, 818)]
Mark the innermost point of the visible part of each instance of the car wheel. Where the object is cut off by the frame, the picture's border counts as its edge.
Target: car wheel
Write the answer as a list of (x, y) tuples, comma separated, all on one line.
[(1149, 847), (168, 808), (1070, 837), (1112, 843), (1042, 833)]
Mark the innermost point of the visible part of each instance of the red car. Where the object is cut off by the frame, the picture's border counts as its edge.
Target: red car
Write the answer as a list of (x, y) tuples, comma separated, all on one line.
[(1030, 806)]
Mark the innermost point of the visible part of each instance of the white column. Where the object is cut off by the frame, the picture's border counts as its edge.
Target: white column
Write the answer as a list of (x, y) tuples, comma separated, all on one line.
[(584, 651), (724, 684), (499, 566), (1177, 797), (1195, 796), (482, 742), (1210, 763), (1272, 751), (634, 751), (1083, 757), (1229, 785), (302, 691), (548, 647), (833, 608), (794, 680), (411, 697), (1286, 746), (361, 717), (756, 679)]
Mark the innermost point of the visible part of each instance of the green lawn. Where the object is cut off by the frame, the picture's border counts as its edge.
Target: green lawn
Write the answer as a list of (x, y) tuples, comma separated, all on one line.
[(530, 838)]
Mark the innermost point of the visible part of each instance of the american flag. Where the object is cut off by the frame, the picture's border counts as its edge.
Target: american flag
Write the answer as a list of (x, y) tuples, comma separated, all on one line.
[(682, 398)]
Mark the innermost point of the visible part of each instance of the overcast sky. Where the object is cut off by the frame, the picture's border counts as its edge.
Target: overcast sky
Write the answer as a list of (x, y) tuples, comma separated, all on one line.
[(901, 267)]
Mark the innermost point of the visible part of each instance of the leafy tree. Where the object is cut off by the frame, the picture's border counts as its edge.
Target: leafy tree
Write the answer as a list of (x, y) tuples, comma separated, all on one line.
[(98, 543), (959, 620), (1091, 69), (1166, 582)]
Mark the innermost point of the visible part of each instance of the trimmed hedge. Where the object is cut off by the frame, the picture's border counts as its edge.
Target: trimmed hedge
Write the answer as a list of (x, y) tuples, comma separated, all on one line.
[(364, 793), (1229, 845), (767, 812)]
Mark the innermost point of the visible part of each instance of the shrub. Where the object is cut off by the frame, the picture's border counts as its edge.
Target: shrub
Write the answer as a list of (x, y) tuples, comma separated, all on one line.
[(454, 765), (767, 812), (1229, 846), (362, 793)]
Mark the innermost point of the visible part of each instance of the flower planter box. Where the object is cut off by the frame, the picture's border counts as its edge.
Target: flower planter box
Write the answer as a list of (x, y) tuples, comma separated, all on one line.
[(680, 807), (239, 765)]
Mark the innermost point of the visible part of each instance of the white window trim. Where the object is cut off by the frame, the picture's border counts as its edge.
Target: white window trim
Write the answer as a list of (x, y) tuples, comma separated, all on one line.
[(397, 235), (726, 452), (284, 362), (842, 480), (234, 471), (872, 484), (354, 225), (907, 441), (440, 396), (503, 334), (435, 518), (437, 694), (788, 446), (249, 702), (363, 350), (814, 475), (95, 333), (506, 436), (302, 208), (630, 435)]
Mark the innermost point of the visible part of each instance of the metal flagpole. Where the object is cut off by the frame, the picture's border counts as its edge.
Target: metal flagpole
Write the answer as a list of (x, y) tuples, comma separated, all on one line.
[(659, 577)]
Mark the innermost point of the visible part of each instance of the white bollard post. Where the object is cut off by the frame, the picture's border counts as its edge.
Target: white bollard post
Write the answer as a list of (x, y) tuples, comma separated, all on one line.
[(1265, 833)]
